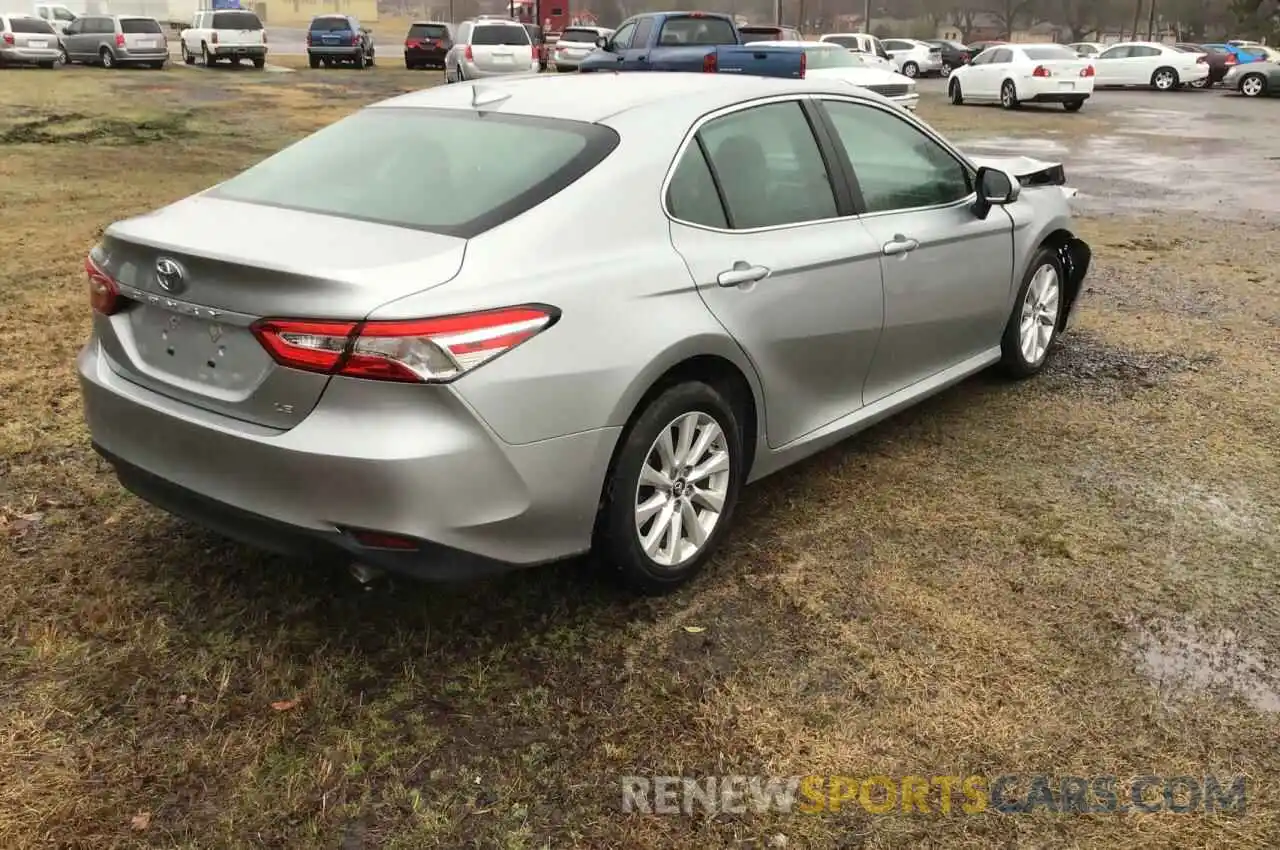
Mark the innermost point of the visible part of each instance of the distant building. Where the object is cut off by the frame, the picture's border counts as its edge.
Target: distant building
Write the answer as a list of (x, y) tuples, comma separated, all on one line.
[(287, 13)]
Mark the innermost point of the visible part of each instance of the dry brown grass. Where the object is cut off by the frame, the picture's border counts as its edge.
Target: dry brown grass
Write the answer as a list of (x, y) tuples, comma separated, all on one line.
[(949, 593)]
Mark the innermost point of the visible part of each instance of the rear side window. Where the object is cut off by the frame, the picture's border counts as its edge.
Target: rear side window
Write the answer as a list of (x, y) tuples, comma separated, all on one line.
[(428, 31), (1049, 52), (30, 25), (500, 35), (453, 172), (698, 31), (588, 36), (139, 25), (692, 195), (236, 21), (330, 25)]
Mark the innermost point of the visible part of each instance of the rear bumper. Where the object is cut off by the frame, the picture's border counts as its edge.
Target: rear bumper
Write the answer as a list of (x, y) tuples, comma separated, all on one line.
[(425, 57), (474, 72), (160, 54), (1058, 97), (222, 51), (29, 55), (405, 460), (342, 52)]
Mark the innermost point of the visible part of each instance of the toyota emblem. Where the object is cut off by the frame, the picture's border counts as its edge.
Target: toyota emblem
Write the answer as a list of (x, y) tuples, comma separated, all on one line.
[(169, 275)]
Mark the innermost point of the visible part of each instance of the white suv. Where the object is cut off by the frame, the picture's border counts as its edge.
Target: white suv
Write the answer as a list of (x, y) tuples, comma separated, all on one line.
[(489, 47), (914, 58), (232, 34)]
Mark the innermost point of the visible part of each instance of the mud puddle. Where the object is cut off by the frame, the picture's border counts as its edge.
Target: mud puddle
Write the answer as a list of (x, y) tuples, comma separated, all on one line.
[(1084, 364), (1183, 659)]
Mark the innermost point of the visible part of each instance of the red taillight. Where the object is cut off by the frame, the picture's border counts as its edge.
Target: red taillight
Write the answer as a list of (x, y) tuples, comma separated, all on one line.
[(104, 296), (308, 39), (415, 351), (8, 38), (412, 43), (469, 54), (1087, 71), (1041, 71), (1231, 59), (119, 40), (710, 63), (804, 63)]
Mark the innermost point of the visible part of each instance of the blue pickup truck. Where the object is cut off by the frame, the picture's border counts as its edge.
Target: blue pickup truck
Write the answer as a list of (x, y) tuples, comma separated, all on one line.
[(689, 41)]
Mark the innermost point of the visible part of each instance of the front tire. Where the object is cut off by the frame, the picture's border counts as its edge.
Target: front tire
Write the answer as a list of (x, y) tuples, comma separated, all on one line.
[(957, 97), (946, 70), (1037, 314), (672, 488), (1253, 85), (1009, 95)]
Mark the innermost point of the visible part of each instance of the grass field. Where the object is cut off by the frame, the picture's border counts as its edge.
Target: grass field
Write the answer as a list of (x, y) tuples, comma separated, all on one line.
[(1028, 578)]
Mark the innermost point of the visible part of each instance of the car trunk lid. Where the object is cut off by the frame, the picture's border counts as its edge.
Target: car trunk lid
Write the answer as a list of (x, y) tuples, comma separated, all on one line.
[(199, 273)]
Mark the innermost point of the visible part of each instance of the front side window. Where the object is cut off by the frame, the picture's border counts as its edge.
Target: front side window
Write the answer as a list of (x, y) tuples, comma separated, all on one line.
[(1114, 53), (1142, 50), (63, 15), (622, 38), (769, 166), (897, 166), (490, 167)]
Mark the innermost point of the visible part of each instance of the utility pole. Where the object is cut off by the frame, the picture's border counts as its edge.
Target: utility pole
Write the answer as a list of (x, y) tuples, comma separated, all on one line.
[(1137, 16), (1151, 22), (866, 17), (777, 12)]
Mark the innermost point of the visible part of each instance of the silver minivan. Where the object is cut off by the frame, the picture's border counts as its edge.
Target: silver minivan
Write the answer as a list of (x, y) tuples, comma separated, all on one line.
[(109, 41), (490, 47), (26, 40)]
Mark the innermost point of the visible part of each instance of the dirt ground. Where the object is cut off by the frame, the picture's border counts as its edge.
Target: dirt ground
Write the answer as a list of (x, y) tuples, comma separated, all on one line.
[(1071, 575)]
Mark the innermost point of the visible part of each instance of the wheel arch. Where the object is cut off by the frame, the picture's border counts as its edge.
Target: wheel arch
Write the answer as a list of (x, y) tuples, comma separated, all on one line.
[(1075, 256)]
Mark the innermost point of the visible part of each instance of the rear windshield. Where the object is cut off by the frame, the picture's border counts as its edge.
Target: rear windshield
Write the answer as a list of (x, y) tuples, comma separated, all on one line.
[(236, 21), (830, 57), (843, 41), (330, 25), (1049, 52), (588, 36), (700, 31), (139, 25), (507, 36), (453, 172), (752, 34), (428, 31), (535, 32), (30, 25)]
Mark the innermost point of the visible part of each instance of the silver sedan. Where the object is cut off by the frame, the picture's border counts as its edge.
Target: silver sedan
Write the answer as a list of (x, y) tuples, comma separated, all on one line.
[(372, 370)]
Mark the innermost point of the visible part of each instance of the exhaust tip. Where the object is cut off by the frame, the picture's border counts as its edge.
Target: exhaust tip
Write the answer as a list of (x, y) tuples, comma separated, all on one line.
[(365, 574)]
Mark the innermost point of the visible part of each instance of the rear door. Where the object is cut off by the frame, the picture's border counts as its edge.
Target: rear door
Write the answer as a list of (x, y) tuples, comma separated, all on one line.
[(778, 260), (238, 28), (501, 48), (142, 35), (947, 274), (1109, 67)]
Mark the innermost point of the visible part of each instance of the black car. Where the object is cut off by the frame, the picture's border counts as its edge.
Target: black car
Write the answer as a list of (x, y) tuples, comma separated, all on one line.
[(979, 46), (954, 54), (426, 44)]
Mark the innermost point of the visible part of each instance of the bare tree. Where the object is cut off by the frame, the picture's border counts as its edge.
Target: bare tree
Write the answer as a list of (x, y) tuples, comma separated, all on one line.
[(1010, 12)]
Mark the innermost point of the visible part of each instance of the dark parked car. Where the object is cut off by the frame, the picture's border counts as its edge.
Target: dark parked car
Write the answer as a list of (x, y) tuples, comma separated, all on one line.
[(338, 38), (426, 44), (979, 46), (954, 54), (539, 40)]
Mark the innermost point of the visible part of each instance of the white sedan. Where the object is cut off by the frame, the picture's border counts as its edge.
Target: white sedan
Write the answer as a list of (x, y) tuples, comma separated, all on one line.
[(827, 61), (1146, 63), (1014, 74)]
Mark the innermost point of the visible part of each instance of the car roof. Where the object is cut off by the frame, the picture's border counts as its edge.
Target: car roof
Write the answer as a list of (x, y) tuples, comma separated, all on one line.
[(595, 97)]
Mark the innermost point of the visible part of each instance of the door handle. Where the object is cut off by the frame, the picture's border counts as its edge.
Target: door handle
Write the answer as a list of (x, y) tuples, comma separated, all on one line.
[(899, 245), (742, 273)]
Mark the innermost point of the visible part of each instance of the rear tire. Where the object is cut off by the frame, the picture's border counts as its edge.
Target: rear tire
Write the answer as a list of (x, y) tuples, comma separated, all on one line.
[(957, 97), (1039, 314), (46, 65), (1073, 105), (313, 61), (1253, 85), (187, 58), (359, 61), (622, 523), (1009, 95), (1164, 79), (235, 61), (911, 70), (159, 66), (206, 58), (259, 62), (106, 58), (63, 56)]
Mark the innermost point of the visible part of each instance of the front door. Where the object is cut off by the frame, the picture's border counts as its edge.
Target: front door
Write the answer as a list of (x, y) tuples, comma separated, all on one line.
[(780, 263), (1109, 66), (948, 275)]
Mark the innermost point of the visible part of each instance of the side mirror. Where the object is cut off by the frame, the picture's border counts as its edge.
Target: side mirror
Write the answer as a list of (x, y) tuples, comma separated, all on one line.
[(996, 188), (602, 42)]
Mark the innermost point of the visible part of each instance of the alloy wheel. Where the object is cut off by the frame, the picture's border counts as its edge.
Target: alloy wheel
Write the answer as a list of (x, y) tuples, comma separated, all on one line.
[(1039, 315), (683, 486), (1252, 86)]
